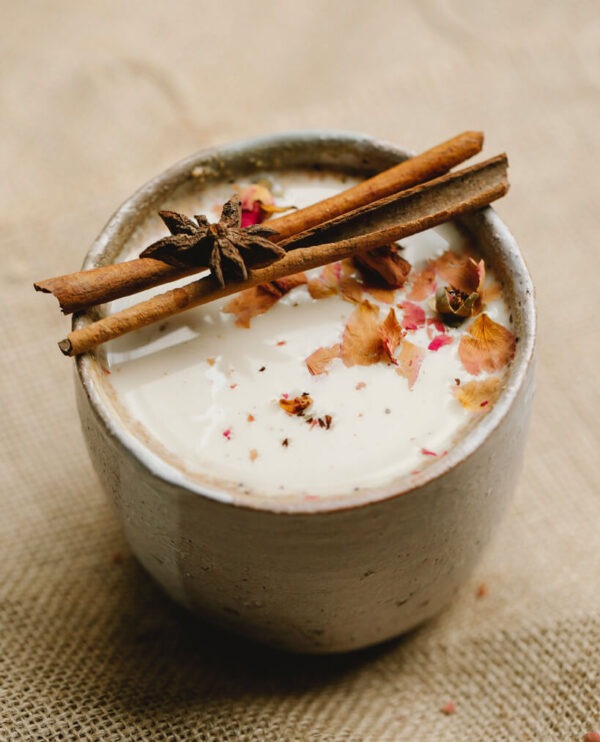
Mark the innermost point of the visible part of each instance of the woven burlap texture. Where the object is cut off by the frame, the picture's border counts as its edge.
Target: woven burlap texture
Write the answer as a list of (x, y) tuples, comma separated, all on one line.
[(98, 97)]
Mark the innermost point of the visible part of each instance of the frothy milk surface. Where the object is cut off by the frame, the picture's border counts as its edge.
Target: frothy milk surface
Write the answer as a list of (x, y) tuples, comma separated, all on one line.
[(208, 392)]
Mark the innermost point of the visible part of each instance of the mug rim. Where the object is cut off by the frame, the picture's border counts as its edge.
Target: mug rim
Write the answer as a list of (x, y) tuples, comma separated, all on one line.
[(90, 374)]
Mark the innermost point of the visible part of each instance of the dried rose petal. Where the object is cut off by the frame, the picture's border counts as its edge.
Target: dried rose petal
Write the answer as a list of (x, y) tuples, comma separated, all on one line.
[(351, 290), (361, 342), (318, 361), (391, 334), (252, 215), (250, 303), (257, 204), (449, 708), (478, 396), (439, 341), (488, 347), (460, 271), (259, 299), (336, 278), (491, 292), (423, 283), (327, 282), (413, 315), (434, 324), (481, 273), (385, 296), (410, 360)]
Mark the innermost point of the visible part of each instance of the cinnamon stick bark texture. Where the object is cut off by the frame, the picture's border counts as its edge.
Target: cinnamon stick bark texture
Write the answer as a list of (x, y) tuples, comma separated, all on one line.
[(76, 291), (404, 214)]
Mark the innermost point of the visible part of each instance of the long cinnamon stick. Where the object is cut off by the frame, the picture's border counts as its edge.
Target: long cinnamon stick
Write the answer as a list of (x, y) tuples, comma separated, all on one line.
[(76, 291), (414, 210), (430, 164)]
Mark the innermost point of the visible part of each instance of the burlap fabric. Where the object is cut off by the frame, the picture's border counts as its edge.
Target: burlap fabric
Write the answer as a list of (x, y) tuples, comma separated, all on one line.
[(98, 97)]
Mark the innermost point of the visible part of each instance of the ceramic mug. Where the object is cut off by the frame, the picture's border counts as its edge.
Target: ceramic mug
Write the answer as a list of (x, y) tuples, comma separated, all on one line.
[(326, 575)]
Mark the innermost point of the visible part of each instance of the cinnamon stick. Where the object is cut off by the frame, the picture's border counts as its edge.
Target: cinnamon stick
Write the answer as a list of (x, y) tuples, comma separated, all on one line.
[(76, 291), (430, 164), (411, 211)]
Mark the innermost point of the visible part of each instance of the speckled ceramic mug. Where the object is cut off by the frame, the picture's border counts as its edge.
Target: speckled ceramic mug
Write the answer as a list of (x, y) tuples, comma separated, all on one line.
[(326, 575)]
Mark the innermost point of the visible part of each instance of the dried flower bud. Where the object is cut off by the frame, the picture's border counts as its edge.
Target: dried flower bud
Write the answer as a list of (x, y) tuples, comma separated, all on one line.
[(455, 305)]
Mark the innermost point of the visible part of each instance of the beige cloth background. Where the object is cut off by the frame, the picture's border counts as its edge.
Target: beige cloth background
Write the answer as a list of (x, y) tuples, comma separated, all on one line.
[(95, 99)]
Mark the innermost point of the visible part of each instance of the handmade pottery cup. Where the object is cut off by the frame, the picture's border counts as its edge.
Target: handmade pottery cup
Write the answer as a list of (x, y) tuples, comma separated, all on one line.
[(326, 575)]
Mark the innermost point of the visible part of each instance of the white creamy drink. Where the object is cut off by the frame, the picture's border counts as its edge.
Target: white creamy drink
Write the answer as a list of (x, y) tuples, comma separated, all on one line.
[(341, 384)]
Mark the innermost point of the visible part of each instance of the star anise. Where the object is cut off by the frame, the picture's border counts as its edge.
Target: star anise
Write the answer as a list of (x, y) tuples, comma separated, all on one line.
[(224, 247)]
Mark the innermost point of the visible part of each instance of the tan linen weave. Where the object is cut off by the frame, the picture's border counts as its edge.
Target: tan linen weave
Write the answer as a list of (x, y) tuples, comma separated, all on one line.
[(96, 98)]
